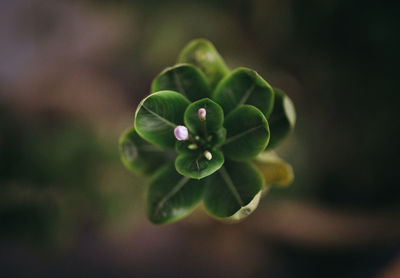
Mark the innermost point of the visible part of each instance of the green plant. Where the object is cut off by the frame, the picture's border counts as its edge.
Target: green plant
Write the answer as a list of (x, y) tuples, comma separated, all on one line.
[(200, 133)]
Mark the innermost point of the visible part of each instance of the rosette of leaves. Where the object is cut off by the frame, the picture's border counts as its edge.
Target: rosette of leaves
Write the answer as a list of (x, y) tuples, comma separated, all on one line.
[(200, 133)]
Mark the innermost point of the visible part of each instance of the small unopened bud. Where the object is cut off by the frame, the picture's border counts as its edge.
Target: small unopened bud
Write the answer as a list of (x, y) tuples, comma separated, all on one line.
[(207, 155), (181, 133), (192, 147), (202, 114)]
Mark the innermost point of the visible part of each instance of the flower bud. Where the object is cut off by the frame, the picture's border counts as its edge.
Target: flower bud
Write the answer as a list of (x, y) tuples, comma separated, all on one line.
[(207, 155), (192, 147), (181, 133), (202, 114)]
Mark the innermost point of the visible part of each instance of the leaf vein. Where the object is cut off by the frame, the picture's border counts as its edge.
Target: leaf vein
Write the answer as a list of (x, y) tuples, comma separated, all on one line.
[(179, 84), (231, 186), (246, 95), (171, 193), (159, 117), (237, 136)]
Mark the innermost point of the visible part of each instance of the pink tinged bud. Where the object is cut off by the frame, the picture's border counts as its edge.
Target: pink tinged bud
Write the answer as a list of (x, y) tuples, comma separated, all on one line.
[(181, 133), (202, 114)]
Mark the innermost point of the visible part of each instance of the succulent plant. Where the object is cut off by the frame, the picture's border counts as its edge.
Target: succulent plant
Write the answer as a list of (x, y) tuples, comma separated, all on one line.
[(206, 133)]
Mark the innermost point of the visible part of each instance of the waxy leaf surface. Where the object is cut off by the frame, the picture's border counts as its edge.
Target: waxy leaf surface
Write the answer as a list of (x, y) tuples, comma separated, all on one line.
[(139, 155), (202, 54), (196, 166), (158, 115), (232, 188), (282, 120), (172, 196), (244, 86), (247, 133), (214, 118), (185, 79)]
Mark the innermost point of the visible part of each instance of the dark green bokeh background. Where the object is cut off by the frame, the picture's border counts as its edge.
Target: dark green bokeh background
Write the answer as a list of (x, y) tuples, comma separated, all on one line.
[(71, 75)]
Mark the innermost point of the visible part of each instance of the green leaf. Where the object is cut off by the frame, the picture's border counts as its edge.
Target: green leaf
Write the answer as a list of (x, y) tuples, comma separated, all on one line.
[(247, 133), (282, 120), (195, 165), (274, 169), (138, 155), (230, 191), (219, 137), (202, 54), (185, 79), (214, 117), (171, 196), (244, 86), (158, 115)]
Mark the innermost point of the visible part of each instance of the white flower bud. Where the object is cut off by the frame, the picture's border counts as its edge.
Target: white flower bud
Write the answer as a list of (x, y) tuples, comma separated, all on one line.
[(181, 133), (207, 155)]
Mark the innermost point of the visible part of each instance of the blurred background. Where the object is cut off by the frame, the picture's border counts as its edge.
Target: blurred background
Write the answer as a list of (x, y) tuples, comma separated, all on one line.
[(71, 76)]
